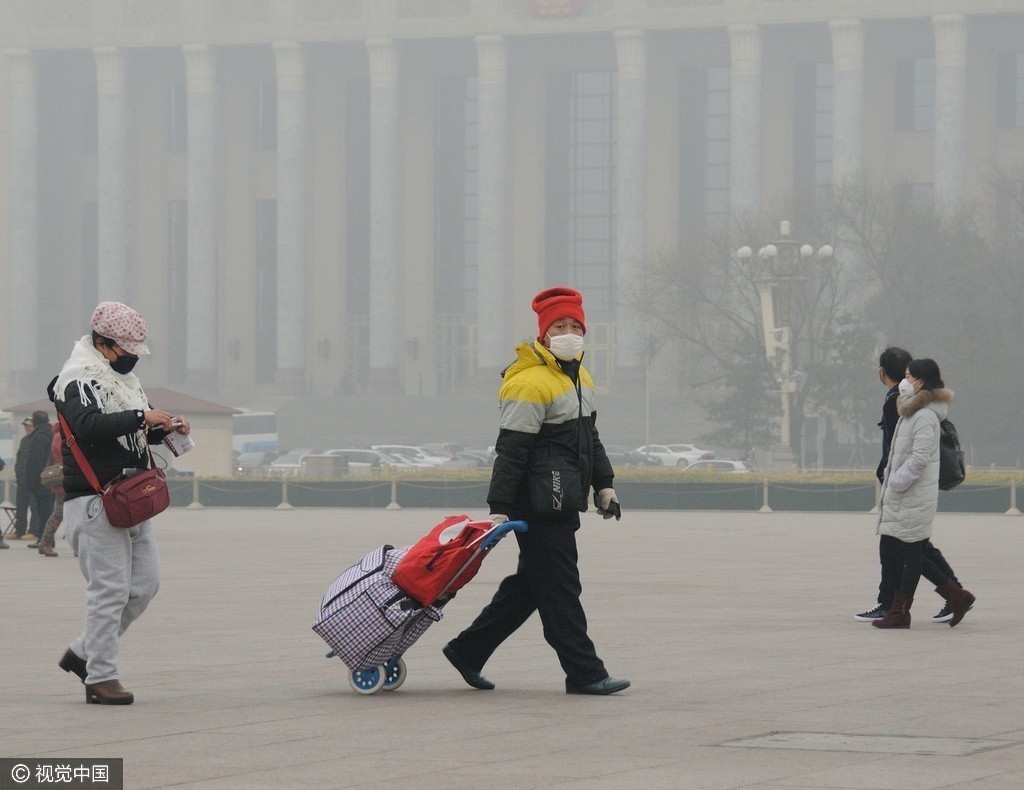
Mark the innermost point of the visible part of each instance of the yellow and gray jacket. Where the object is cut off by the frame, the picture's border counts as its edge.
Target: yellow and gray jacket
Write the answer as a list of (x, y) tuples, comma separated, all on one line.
[(548, 421)]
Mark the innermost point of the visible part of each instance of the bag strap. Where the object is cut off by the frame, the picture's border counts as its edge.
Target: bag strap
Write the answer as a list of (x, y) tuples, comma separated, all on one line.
[(83, 463)]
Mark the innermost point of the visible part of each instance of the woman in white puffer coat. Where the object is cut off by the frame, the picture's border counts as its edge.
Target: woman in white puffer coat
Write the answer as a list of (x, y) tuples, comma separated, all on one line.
[(910, 490)]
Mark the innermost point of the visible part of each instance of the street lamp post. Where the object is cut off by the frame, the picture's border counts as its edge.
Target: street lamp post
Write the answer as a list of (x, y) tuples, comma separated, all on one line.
[(779, 265)]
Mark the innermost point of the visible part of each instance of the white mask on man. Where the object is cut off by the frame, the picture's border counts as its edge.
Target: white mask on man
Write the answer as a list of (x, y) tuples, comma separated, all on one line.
[(906, 388), (565, 347)]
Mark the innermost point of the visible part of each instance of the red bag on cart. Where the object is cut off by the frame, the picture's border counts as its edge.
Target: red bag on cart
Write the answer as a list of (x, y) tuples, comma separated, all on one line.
[(440, 558)]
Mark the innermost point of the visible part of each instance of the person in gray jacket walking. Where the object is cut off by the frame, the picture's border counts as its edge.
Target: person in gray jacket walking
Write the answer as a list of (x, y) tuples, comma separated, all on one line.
[(910, 491)]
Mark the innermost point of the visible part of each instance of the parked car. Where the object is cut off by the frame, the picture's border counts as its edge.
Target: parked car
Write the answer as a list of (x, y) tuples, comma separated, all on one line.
[(718, 465), (623, 456), (362, 459), (288, 465), (466, 460), (255, 463), (415, 455), (676, 454)]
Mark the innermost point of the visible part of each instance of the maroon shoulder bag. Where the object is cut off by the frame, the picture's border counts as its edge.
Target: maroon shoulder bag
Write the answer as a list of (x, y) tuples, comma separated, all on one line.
[(127, 501)]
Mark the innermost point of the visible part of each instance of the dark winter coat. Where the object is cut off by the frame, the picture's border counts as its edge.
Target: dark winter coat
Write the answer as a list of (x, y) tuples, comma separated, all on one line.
[(547, 418), (36, 457), (97, 435)]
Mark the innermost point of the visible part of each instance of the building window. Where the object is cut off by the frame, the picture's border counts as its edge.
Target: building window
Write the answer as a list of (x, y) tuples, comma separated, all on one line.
[(177, 288), (1009, 216), (456, 194), (266, 115), (89, 256), (915, 95), (177, 117), (812, 132), (265, 340), (1010, 91), (456, 202), (581, 185), (716, 145), (90, 122), (356, 263), (703, 151), (918, 196)]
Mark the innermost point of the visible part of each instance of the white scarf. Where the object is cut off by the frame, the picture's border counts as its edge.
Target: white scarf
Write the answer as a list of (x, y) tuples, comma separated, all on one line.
[(114, 392)]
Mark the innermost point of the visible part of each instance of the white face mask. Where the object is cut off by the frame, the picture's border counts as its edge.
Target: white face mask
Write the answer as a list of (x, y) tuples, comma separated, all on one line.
[(566, 347), (906, 388)]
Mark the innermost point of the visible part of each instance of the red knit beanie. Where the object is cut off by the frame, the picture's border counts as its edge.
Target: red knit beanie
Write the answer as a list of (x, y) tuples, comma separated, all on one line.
[(555, 303)]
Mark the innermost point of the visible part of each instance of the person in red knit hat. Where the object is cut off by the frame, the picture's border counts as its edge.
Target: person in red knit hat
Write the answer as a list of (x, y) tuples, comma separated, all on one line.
[(549, 455)]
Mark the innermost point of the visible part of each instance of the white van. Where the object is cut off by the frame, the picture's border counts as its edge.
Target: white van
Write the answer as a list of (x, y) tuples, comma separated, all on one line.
[(253, 430)]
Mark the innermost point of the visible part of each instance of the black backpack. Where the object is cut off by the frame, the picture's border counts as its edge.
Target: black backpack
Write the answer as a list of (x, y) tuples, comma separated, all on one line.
[(951, 457)]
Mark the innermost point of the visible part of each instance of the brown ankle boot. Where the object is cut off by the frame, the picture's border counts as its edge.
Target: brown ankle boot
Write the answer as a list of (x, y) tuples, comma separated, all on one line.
[(47, 550), (108, 692), (898, 615), (960, 600)]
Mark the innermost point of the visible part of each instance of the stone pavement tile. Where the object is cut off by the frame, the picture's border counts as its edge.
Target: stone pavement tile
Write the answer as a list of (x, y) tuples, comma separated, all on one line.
[(729, 625)]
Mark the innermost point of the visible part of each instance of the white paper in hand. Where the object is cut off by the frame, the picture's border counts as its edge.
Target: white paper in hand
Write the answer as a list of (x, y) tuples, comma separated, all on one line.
[(179, 443)]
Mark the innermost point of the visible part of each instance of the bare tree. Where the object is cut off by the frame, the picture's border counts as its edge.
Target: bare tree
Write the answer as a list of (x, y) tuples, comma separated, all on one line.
[(707, 300), (949, 288)]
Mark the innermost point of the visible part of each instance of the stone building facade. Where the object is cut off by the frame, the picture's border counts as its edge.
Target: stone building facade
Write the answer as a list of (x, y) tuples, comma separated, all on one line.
[(327, 198)]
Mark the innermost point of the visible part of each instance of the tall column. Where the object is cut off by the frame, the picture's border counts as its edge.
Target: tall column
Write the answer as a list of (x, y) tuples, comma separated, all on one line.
[(631, 187), (847, 100), (492, 114), (111, 175), (385, 286), (23, 230), (745, 120), (950, 100), (201, 74), (291, 214)]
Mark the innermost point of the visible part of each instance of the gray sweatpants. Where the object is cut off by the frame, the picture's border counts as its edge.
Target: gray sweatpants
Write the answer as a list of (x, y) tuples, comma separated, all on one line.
[(122, 574)]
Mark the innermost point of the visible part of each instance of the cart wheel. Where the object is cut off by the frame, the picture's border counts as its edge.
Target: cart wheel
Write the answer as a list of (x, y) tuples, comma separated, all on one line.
[(394, 674), (367, 681)]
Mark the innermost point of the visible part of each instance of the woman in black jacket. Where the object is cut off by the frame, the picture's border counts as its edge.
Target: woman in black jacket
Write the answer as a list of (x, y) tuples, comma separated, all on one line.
[(549, 455), (110, 418)]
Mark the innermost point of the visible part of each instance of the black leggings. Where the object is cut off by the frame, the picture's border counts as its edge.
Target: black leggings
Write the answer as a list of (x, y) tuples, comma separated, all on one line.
[(914, 565)]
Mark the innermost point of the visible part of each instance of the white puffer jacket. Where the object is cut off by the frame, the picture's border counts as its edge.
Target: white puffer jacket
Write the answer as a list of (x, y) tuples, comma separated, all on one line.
[(910, 489)]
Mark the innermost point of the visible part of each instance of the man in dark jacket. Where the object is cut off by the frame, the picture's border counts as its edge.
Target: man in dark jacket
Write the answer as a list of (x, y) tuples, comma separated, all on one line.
[(549, 455), (33, 456)]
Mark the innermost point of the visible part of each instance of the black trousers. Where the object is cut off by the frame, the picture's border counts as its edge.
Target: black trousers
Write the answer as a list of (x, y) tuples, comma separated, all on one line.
[(890, 554), (547, 580), (915, 564), (38, 499)]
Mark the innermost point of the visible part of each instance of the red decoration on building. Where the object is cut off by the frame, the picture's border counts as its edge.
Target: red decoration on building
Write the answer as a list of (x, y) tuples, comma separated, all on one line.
[(551, 9)]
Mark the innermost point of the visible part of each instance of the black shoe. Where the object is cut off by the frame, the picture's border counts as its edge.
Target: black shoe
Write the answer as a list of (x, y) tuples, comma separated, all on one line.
[(70, 662), (606, 686), (473, 678), (872, 614), (945, 614), (34, 545)]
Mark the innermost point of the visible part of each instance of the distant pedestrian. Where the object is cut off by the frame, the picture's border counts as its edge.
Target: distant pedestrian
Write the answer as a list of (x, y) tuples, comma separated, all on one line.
[(47, 543), (33, 497), (892, 365), (910, 491)]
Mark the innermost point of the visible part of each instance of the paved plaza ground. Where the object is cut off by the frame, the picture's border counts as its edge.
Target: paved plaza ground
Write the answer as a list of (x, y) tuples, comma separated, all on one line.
[(736, 630)]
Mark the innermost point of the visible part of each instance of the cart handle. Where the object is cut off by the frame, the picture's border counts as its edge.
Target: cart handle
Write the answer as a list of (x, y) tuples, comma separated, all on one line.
[(501, 530)]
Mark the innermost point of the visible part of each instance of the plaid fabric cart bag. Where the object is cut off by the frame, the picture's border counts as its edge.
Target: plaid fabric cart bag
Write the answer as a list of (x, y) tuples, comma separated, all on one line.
[(366, 618), (369, 621)]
